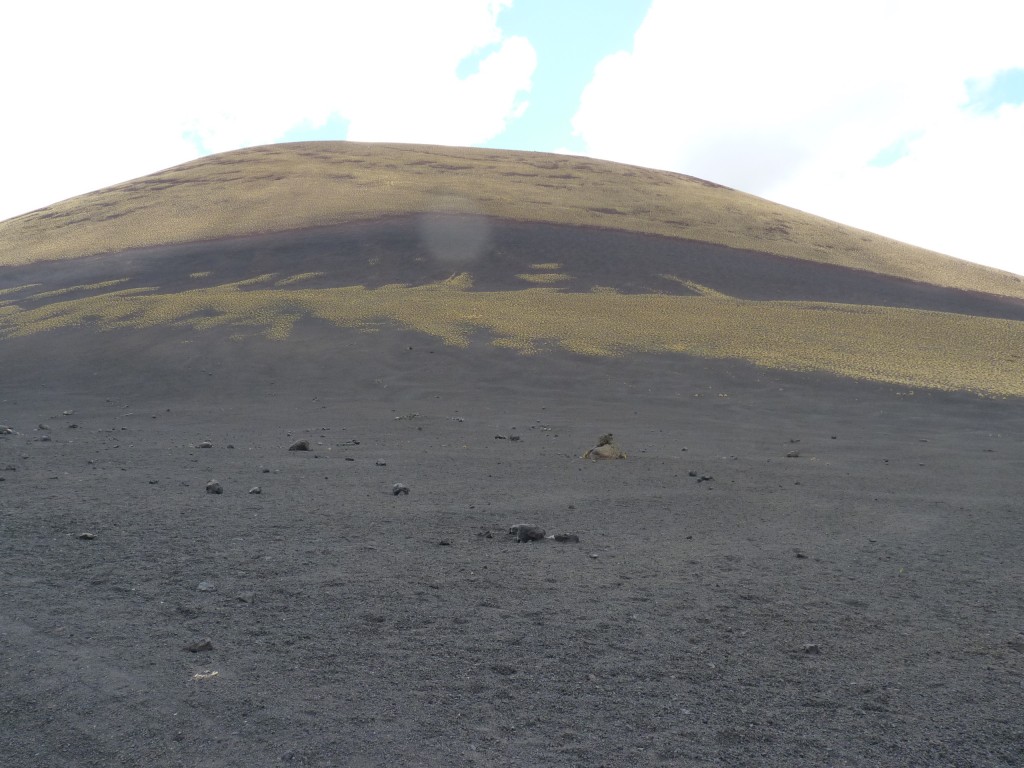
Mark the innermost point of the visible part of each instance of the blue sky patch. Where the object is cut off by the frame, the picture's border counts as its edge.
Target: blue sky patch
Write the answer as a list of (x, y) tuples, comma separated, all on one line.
[(471, 64), (570, 37), (986, 96), (895, 151), (335, 129)]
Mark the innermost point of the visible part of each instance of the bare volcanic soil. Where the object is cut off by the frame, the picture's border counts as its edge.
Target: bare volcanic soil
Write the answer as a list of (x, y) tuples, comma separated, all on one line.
[(787, 569)]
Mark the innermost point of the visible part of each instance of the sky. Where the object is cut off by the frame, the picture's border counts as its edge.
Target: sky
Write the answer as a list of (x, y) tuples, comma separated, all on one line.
[(902, 118)]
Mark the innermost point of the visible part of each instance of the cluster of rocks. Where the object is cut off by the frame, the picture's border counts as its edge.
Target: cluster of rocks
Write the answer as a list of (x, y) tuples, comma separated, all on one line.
[(527, 532)]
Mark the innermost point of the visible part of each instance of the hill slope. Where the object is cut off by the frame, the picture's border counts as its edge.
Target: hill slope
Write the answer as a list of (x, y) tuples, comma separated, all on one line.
[(525, 251), (295, 186)]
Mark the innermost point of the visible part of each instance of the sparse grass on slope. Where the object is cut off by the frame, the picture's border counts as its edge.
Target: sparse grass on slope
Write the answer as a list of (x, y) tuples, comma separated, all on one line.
[(292, 186), (930, 349)]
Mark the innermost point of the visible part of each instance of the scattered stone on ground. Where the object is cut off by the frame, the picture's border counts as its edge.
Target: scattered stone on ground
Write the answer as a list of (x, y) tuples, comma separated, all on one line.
[(86, 536), (200, 646), (43, 427), (705, 478), (214, 487), (207, 586), (44, 439), (5, 430), (566, 538), (256, 490), (398, 488), (246, 597), (380, 463), (793, 455), (205, 444), (605, 449), (524, 532), (299, 445), (811, 648), (444, 542)]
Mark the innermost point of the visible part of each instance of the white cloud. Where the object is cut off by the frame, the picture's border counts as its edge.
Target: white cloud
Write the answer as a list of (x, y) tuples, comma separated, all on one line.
[(100, 92), (791, 101)]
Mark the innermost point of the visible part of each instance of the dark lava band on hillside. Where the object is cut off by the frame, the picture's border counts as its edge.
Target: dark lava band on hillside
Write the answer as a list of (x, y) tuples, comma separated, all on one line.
[(499, 255)]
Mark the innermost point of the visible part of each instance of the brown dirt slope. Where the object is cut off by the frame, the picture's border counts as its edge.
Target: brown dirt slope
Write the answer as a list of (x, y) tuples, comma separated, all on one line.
[(296, 186)]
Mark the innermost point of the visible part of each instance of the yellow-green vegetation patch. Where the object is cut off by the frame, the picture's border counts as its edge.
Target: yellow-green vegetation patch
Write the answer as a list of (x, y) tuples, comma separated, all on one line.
[(703, 290), (930, 349), (299, 278), (16, 289), (256, 280), (543, 277), (74, 288)]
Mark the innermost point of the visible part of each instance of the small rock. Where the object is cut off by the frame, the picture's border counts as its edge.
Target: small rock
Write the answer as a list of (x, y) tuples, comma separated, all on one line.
[(207, 586), (200, 646), (398, 488), (154, 482), (593, 555), (44, 439), (214, 487), (692, 473), (513, 438), (299, 445), (380, 463), (68, 413), (812, 648), (566, 538), (256, 489), (799, 555), (246, 597), (499, 437), (86, 536), (704, 478), (524, 532), (605, 449), (444, 542), (793, 455), (205, 444), (43, 427), (5, 430)]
